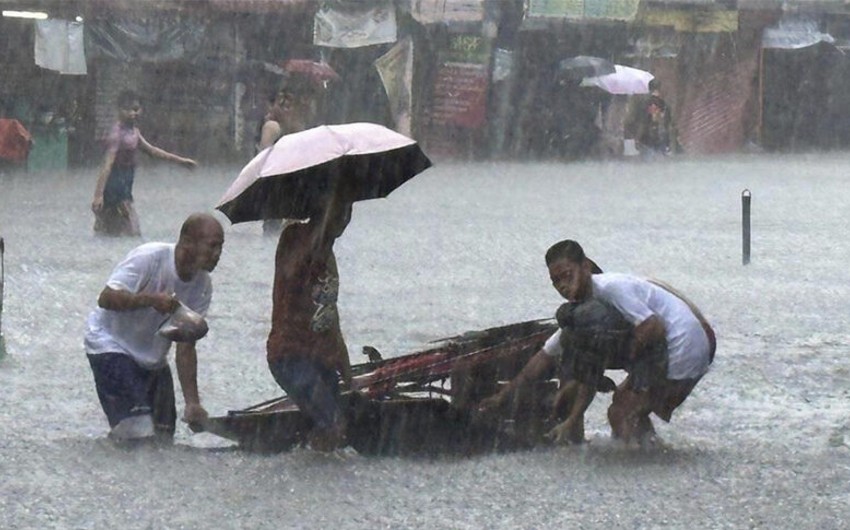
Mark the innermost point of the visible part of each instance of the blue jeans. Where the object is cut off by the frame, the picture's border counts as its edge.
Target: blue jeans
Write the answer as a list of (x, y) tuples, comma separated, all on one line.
[(313, 387)]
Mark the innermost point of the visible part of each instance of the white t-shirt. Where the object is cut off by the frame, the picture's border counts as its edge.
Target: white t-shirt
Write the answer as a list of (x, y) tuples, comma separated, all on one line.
[(148, 268), (637, 299)]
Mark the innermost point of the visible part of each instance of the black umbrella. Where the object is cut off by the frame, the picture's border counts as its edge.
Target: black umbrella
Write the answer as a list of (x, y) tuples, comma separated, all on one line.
[(583, 66)]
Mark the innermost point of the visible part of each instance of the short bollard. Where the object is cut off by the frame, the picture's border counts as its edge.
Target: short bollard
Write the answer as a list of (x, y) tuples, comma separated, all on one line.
[(746, 199)]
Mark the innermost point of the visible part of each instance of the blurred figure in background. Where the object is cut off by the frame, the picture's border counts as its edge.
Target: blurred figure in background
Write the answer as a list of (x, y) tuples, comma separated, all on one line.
[(290, 111), (650, 123), (112, 205)]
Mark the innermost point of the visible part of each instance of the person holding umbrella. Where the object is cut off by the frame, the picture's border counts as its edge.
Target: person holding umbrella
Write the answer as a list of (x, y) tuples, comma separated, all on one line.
[(316, 175), (306, 352), (650, 123)]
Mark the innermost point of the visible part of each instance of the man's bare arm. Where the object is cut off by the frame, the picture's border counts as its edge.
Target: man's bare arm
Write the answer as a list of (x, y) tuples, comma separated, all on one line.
[(119, 300), (650, 331), (537, 367), (186, 360), (158, 152), (571, 430), (269, 134)]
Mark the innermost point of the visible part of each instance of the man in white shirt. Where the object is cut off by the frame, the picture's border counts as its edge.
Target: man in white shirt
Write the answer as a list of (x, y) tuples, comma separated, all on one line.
[(127, 356), (667, 352)]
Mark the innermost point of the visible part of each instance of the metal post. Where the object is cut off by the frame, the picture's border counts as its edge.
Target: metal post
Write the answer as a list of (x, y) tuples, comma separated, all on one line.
[(746, 197)]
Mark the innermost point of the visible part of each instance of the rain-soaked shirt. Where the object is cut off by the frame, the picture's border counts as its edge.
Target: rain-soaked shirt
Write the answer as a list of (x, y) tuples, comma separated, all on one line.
[(305, 321), (637, 299), (148, 268), (124, 142)]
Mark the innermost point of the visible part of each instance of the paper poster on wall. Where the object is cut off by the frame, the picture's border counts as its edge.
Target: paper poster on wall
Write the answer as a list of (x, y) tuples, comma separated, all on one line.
[(396, 71), (355, 28)]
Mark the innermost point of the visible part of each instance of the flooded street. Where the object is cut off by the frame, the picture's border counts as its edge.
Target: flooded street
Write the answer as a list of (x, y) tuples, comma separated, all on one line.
[(763, 442)]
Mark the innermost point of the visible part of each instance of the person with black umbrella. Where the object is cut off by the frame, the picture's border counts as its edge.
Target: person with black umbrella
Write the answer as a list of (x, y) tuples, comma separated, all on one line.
[(316, 175), (306, 351)]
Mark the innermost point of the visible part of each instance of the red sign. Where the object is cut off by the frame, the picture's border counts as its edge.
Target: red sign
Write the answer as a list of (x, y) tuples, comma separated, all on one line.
[(460, 95)]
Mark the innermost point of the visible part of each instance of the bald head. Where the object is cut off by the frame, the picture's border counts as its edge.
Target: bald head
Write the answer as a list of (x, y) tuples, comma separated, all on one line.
[(199, 246), (197, 224)]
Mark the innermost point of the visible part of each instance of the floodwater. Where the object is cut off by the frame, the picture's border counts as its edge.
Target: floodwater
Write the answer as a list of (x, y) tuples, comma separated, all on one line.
[(762, 442)]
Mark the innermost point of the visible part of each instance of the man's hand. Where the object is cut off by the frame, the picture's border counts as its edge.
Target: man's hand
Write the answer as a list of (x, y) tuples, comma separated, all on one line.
[(188, 163), (195, 415), (570, 431), (494, 402), (120, 300), (164, 303), (97, 203)]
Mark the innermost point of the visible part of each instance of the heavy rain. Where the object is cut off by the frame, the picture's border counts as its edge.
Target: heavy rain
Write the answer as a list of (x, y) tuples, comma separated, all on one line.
[(733, 191)]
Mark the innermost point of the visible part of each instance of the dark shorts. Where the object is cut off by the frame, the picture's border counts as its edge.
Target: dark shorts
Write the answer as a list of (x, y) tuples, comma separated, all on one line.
[(119, 185), (313, 387), (126, 389)]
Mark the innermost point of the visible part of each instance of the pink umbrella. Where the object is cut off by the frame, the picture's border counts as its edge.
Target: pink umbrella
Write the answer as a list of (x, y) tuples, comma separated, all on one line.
[(285, 180), (625, 80)]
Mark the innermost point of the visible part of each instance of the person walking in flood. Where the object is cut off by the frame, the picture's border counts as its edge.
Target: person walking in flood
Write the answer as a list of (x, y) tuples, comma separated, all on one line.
[(306, 352), (290, 111), (126, 343), (112, 205)]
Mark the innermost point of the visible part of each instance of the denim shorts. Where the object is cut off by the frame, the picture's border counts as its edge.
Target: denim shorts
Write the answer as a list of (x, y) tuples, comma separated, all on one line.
[(312, 386), (126, 389)]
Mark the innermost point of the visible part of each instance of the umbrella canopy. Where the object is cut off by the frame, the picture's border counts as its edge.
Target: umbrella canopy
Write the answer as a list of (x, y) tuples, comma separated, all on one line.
[(318, 73), (290, 178), (625, 80), (585, 66)]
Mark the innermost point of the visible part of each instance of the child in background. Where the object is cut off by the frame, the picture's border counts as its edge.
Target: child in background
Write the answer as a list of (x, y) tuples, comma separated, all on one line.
[(113, 194)]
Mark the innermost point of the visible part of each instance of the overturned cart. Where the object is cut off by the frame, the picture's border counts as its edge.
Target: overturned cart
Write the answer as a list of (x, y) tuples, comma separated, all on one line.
[(421, 403)]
